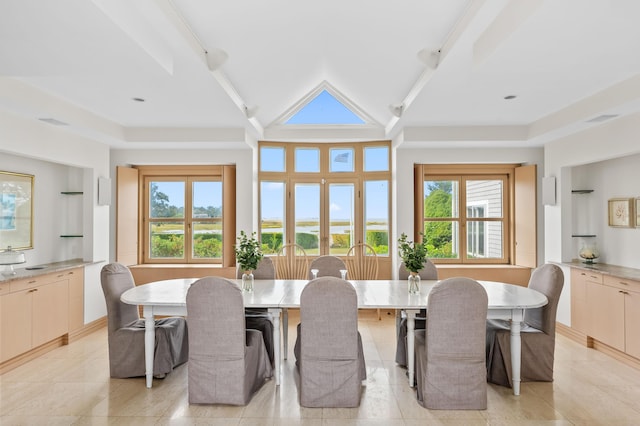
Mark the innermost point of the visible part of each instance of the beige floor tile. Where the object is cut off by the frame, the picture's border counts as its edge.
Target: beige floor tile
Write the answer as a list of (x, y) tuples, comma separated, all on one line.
[(71, 385)]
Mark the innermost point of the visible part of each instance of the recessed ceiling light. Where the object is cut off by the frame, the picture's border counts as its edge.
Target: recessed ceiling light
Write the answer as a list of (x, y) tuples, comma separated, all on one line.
[(509, 97), (138, 99)]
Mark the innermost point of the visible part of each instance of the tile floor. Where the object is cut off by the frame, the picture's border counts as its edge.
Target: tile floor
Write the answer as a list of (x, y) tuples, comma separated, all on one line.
[(71, 386)]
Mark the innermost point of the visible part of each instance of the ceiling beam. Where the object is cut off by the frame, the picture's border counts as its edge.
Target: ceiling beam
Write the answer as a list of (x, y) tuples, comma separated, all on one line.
[(178, 22), (458, 29)]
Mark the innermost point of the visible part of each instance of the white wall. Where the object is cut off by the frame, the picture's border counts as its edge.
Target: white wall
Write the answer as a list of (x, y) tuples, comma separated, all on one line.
[(403, 178), (605, 158), (59, 159)]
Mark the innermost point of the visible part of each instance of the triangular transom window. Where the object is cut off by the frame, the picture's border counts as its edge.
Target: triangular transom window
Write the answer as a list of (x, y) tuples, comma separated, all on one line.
[(325, 109)]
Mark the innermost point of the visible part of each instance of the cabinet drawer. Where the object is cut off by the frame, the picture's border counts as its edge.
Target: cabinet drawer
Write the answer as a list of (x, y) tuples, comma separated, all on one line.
[(593, 277), (622, 283), (5, 288), (25, 284)]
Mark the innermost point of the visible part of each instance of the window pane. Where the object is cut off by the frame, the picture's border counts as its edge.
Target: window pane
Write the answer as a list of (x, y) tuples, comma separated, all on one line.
[(307, 211), (272, 159), (341, 218), (307, 160), (484, 239), (207, 240), (207, 199), (376, 158), (440, 198), (166, 199), (271, 216), (376, 215), (167, 240), (442, 239), (485, 193), (341, 159)]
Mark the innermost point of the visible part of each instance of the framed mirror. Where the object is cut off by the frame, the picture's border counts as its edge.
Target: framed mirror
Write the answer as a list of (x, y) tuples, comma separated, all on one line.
[(16, 218)]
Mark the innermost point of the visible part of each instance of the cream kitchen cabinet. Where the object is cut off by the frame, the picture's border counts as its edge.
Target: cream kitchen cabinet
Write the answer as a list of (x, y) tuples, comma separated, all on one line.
[(38, 309)]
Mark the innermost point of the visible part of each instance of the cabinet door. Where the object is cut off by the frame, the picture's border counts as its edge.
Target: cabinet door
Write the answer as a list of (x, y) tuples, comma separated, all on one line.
[(606, 322), (632, 323), (50, 311), (15, 324), (579, 310), (76, 298)]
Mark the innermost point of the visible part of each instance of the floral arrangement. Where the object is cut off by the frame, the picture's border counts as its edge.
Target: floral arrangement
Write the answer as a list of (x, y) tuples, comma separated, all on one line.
[(413, 254), (248, 251)]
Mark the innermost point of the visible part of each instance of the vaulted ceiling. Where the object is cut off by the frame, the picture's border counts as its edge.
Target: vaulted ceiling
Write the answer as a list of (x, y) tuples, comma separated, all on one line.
[(217, 73)]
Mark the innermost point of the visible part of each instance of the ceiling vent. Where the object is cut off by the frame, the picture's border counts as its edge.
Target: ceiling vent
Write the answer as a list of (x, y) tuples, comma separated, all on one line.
[(601, 118), (53, 121)]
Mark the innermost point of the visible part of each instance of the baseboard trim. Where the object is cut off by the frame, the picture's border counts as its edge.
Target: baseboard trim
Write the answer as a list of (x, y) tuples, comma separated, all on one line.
[(590, 342), (34, 353), (574, 335), (86, 330), (616, 354)]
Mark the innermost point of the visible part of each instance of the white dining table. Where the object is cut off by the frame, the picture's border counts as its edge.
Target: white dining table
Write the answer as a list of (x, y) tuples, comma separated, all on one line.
[(168, 297)]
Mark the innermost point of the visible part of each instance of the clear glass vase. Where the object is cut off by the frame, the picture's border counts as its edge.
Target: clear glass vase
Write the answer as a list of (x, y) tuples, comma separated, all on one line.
[(414, 283), (247, 281)]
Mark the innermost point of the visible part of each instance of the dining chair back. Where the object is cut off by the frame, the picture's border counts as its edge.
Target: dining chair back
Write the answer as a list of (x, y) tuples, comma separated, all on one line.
[(362, 262), (537, 334), (327, 266), (264, 271), (428, 272), (450, 352), (126, 331), (292, 263), (227, 362), (259, 318), (329, 354)]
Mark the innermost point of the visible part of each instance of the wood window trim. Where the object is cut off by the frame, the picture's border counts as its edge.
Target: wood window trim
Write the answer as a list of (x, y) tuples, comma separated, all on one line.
[(289, 177), (469, 172), (225, 173)]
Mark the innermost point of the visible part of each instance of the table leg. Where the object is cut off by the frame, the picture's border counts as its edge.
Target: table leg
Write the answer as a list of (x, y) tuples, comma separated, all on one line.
[(149, 343), (516, 350), (285, 332), (274, 316), (411, 356)]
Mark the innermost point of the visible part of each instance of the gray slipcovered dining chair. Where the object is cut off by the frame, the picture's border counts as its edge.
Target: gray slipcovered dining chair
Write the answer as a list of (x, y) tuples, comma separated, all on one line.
[(450, 351), (227, 362), (328, 348), (327, 266), (428, 272), (126, 331), (537, 334), (258, 318)]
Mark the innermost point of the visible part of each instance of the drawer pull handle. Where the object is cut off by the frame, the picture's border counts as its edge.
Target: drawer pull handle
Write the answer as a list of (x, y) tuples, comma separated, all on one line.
[(594, 277), (31, 282), (623, 283), (33, 290), (623, 292)]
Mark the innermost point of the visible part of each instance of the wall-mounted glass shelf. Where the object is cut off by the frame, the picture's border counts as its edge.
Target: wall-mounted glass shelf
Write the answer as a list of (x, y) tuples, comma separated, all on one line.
[(581, 191)]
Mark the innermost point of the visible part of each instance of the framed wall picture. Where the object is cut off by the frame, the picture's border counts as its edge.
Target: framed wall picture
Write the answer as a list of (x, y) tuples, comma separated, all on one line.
[(621, 212), (16, 224)]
